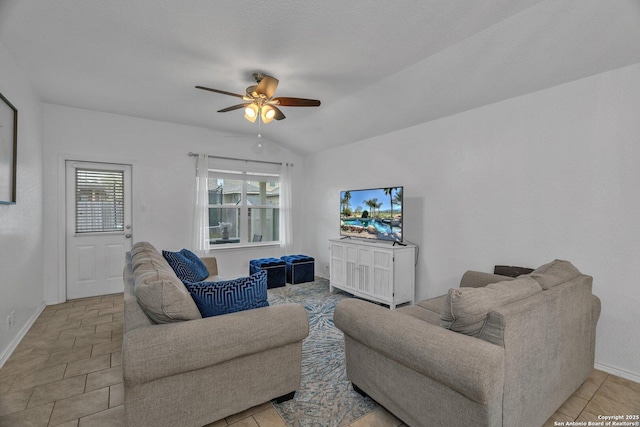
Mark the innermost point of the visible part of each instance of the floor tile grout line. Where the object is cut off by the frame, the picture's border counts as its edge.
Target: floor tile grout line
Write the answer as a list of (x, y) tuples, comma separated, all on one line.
[(33, 389), (592, 396), (53, 407)]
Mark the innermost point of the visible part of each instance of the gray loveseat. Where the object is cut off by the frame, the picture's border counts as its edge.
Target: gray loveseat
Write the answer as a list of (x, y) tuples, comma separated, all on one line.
[(512, 363), (192, 371)]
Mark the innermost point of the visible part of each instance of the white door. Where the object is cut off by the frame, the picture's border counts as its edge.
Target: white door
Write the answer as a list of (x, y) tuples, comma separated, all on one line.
[(98, 227)]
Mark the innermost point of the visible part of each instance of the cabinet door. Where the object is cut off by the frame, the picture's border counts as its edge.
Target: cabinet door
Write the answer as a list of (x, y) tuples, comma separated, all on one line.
[(382, 281), (365, 267), (352, 272), (337, 265)]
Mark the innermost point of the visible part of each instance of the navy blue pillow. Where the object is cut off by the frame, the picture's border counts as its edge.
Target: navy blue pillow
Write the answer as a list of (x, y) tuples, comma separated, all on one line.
[(187, 266), (230, 296), (200, 267)]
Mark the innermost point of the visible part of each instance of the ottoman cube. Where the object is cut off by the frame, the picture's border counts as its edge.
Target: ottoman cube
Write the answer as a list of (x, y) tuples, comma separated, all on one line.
[(275, 268), (300, 268)]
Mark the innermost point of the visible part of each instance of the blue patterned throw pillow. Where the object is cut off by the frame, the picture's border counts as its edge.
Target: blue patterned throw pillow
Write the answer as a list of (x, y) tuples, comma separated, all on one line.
[(187, 266), (201, 269), (230, 296)]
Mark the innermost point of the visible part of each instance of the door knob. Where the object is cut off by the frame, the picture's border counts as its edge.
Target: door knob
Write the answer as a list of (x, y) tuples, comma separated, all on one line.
[(128, 236)]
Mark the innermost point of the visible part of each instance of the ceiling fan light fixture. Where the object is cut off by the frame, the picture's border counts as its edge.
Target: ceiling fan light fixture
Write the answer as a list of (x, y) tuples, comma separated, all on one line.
[(267, 113), (251, 112)]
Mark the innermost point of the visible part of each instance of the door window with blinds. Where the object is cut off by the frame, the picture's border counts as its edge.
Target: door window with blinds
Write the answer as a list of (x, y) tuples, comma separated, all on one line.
[(244, 206), (99, 201)]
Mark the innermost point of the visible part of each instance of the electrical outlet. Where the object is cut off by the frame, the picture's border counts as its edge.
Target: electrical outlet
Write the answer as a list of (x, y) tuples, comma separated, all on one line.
[(13, 319)]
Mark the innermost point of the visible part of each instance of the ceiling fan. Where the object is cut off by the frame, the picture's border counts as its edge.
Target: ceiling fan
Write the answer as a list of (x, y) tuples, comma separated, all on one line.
[(260, 101)]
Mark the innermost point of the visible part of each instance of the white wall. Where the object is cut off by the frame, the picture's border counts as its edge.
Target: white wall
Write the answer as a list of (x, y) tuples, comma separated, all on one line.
[(553, 174), (21, 273), (163, 179)]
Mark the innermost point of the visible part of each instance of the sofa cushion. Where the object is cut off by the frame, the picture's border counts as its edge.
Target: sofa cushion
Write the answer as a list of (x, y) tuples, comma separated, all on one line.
[(139, 247), (187, 266), (164, 298), (554, 273), (153, 259), (433, 304), (479, 279), (421, 313), (465, 309), (230, 296)]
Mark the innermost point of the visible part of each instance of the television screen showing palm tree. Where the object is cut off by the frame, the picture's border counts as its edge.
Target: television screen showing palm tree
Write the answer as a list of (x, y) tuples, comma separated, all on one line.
[(372, 214)]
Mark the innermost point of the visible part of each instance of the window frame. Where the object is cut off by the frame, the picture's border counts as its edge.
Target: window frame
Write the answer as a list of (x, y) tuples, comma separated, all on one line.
[(245, 175), (99, 197)]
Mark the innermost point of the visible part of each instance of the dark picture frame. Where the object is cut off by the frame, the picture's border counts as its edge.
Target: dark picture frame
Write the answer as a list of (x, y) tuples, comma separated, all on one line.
[(8, 151)]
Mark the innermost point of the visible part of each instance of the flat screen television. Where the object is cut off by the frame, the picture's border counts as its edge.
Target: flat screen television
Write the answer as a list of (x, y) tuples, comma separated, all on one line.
[(374, 214)]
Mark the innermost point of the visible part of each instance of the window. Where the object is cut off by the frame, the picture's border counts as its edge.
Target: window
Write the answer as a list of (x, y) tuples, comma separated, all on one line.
[(99, 201), (244, 206)]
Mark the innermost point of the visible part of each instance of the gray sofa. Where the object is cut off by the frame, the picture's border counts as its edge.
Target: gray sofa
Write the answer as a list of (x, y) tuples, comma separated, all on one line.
[(183, 370), (486, 354)]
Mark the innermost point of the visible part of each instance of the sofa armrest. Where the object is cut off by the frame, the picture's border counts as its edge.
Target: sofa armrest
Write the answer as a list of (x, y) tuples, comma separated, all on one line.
[(212, 265), (162, 350), (468, 365), (478, 279)]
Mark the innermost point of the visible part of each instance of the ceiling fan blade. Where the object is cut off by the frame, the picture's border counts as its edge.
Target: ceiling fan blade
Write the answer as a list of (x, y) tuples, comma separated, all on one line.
[(234, 107), (220, 91), (279, 115), (267, 86), (296, 102)]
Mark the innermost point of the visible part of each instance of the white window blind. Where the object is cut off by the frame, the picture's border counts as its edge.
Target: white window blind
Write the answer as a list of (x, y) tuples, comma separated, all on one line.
[(99, 201)]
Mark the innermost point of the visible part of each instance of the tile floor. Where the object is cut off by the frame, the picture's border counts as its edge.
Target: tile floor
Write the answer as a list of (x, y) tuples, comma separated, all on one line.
[(67, 372)]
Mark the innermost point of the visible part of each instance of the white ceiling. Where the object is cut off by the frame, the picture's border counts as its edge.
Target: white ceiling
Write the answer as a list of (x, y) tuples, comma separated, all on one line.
[(377, 66)]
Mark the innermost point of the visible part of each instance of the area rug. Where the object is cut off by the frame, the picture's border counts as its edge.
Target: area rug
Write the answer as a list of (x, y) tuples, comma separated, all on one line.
[(325, 398)]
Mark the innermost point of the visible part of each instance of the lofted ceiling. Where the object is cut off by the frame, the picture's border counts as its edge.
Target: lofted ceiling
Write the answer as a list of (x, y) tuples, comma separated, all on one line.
[(377, 66)]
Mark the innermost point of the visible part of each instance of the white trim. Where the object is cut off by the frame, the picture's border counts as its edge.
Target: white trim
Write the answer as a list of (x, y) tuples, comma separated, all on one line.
[(234, 246), (14, 343), (62, 211), (618, 372), (245, 174)]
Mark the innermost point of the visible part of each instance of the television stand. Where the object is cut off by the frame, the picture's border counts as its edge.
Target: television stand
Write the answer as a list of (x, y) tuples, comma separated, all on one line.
[(378, 272)]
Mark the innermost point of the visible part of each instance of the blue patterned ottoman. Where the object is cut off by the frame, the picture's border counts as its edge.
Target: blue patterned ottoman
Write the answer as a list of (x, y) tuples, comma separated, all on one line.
[(300, 268), (275, 268)]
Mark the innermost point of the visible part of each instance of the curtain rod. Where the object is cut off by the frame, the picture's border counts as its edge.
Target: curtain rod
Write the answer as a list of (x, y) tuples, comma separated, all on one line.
[(241, 160)]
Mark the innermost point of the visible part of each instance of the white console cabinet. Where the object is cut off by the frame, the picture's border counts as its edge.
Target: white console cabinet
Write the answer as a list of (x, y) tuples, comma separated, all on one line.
[(376, 271)]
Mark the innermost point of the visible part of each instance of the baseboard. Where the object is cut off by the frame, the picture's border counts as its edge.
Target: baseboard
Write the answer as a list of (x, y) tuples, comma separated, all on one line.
[(618, 372), (12, 346)]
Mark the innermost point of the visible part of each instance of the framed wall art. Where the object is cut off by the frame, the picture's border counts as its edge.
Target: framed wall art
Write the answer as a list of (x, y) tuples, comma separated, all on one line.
[(8, 151)]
